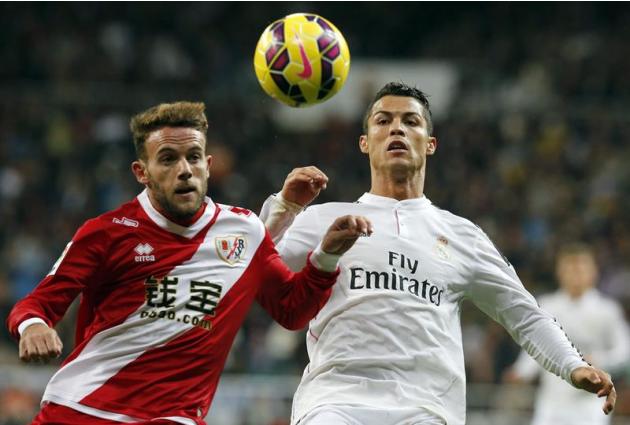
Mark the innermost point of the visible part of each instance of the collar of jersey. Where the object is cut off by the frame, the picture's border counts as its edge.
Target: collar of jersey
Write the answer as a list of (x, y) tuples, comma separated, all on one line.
[(188, 232), (383, 201)]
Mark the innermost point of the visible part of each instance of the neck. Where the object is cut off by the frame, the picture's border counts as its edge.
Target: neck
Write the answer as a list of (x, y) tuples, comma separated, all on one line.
[(403, 186), (187, 221)]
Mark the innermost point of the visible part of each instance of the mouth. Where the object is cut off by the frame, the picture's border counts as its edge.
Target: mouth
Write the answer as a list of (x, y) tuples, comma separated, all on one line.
[(185, 190), (397, 145)]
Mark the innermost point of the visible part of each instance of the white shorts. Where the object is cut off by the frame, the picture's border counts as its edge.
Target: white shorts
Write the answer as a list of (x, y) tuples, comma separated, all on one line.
[(363, 415)]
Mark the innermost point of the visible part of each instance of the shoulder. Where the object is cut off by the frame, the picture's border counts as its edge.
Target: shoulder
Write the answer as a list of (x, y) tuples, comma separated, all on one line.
[(463, 227), (607, 303), (335, 209), (239, 216), (125, 218)]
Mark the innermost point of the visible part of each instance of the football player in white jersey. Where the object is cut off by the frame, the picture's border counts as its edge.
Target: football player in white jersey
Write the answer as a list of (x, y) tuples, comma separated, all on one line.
[(386, 348), (595, 324)]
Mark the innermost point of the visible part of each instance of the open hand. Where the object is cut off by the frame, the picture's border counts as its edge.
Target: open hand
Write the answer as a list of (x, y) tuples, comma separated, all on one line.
[(303, 185), (344, 232), (596, 381), (39, 343)]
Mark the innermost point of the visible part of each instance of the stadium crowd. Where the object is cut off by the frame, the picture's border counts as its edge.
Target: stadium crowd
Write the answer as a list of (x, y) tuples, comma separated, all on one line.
[(534, 148)]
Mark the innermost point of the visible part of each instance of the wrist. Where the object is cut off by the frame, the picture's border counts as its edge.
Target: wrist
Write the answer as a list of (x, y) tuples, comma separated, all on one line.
[(290, 206), (28, 322), (324, 261)]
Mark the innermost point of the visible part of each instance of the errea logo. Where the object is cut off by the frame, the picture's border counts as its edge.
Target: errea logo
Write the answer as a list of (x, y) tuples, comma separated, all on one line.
[(144, 251)]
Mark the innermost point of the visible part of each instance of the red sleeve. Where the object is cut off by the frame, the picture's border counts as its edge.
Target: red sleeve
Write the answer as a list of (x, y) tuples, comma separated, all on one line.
[(73, 273), (292, 299)]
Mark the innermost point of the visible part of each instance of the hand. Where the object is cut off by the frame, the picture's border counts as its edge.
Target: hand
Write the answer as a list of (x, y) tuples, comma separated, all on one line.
[(39, 343), (303, 185), (344, 232), (596, 381)]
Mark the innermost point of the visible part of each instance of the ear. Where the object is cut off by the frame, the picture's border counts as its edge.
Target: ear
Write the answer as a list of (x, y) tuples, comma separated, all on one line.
[(363, 144), (139, 169), (431, 145), (209, 162)]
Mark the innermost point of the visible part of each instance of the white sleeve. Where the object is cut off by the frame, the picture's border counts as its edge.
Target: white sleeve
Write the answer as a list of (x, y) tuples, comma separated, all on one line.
[(28, 322), (525, 367), (498, 292), (300, 238), (278, 214), (616, 353)]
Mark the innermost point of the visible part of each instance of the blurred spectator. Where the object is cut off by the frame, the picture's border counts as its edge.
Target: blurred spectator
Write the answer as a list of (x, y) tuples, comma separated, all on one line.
[(594, 323)]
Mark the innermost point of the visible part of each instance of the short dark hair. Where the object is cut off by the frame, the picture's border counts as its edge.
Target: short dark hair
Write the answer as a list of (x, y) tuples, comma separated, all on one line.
[(177, 114), (575, 248), (403, 90)]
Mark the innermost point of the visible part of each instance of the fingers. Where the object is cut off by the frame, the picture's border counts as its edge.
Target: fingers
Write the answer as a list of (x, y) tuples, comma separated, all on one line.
[(311, 175), (596, 381), (303, 185), (353, 226), (611, 399), (40, 346), (344, 232)]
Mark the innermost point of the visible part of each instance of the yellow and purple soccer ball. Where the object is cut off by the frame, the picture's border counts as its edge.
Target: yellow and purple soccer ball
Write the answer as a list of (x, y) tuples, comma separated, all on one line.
[(301, 60)]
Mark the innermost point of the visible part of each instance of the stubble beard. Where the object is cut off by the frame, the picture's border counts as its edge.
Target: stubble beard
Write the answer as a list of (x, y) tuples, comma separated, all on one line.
[(171, 207)]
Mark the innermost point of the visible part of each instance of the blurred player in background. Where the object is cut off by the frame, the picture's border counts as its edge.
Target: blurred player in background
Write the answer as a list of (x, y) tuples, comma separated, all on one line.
[(597, 327), (387, 346), (165, 282)]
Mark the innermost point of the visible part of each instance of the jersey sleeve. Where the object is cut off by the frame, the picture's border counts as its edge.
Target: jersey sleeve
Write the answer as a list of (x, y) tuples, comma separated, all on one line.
[(300, 239), (278, 214), (74, 271), (498, 292), (291, 298)]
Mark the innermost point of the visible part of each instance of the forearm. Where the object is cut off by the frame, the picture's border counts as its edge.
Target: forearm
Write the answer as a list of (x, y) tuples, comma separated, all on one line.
[(544, 340), (278, 214), (300, 296)]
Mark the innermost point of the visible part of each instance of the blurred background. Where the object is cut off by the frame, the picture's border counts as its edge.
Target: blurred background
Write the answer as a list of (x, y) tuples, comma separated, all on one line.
[(531, 109)]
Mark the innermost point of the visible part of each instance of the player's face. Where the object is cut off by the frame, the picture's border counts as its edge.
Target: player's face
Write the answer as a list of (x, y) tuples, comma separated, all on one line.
[(397, 136), (176, 170), (576, 273)]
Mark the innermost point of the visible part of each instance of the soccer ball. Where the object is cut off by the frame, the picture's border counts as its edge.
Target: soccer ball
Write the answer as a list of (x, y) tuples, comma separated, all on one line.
[(302, 59)]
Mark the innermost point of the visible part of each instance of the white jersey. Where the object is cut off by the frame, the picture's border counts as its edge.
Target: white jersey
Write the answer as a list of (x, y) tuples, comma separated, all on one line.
[(390, 333), (597, 327)]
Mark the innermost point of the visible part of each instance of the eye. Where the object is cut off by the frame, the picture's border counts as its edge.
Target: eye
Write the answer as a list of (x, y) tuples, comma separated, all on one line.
[(412, 122), (195, 157), (167, 159)]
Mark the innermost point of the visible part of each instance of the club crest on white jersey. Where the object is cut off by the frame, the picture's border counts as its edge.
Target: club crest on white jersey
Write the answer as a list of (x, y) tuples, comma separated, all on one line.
[(230, 248), (144, 251)]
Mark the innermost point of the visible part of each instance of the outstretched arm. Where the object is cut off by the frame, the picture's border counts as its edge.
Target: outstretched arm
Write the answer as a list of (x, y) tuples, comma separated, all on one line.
[(497, 290)]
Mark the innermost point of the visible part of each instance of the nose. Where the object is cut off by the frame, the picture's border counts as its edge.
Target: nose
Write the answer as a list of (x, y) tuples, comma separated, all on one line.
[(396, 128), (185, 171)]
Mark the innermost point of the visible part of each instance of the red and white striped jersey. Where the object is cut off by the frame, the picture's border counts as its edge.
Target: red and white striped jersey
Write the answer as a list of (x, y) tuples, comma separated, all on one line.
[(160, 306)]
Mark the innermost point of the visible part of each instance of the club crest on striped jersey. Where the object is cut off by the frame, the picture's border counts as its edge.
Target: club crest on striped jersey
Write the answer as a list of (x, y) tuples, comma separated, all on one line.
[(230, 248)]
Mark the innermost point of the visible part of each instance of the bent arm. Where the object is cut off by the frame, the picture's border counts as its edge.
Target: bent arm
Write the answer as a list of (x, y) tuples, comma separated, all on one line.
[(292, 299)]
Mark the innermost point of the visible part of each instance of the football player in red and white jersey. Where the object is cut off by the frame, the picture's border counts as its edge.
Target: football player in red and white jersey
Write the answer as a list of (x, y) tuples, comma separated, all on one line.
[(165, 282)]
